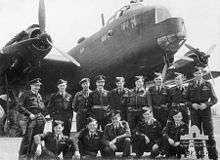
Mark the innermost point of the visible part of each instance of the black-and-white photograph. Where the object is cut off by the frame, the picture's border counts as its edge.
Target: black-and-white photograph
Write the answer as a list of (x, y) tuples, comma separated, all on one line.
[(109, 79)]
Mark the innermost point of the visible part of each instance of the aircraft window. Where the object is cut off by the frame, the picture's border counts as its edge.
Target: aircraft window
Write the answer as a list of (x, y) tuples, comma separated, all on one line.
[(118, 14)]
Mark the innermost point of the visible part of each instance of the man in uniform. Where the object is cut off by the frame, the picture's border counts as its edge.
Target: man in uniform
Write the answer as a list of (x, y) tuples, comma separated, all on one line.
[(136, 100), (90, 140), (80, 104), (59, 106), (55, 144), (32, 106), (147, 135), (117, 95), (99, 102), (201, 97), (159, 99), (117, 136), (177, 98)]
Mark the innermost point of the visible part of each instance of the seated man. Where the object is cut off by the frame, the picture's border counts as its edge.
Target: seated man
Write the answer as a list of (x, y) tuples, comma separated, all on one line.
[(55, 144), (117, 136), (90, 139), (147, 135), (172, 132)]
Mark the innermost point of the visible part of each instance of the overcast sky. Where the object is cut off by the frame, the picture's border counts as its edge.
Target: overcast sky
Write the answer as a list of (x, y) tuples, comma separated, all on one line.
[(68, 20)]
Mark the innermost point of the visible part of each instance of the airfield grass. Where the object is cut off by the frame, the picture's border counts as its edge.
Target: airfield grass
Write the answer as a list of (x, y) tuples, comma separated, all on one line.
[(9, 146)]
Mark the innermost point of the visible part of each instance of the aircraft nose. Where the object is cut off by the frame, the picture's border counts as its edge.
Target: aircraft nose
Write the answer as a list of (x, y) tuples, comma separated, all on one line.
[(174, 36)]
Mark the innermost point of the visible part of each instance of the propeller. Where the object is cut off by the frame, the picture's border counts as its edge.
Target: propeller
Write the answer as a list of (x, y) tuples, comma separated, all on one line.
[(42, 24), (42, 16)]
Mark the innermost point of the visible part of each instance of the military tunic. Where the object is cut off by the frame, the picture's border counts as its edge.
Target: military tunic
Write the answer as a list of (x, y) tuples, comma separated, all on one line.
[(135, 101), (178, 100), (55, 145), (30, 103), (89, 145), (153, 131), (117, 101), (81, 106), (123, 143), (59, 108), (99, 104), (159, 99), (203, 93)]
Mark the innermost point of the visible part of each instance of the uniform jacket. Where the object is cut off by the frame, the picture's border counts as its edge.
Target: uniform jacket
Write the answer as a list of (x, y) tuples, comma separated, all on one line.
[(30, 103), (203, 93), (138, 99), (178, 95), (116, 98), (59, 106), (152, 131), (89, 143), (57, 146), (111, 132), (159, 97), (81, 101), (173, 131)]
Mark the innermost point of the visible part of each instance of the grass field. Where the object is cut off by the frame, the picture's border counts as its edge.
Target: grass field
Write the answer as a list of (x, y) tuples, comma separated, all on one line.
[(9, 146)]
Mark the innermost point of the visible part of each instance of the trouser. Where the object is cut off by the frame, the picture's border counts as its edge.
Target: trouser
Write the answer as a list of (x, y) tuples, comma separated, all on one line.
[(203, 119), (34, 127), (133, 118), (81, 117), (139, 146), (184, 110), (121, 145), (161, 114)]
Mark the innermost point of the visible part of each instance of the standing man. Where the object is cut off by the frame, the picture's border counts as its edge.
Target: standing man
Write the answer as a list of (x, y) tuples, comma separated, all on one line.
[(32, 106), (177, 98), (137, 100), (99, 102), (59, 106), (117, 95), (201, 97), (81, 104), (159, 99), (117, 136)]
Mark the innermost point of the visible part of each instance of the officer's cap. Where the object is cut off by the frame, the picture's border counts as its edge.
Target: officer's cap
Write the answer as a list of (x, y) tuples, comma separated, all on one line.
[(174, 112), (84, 80), (35, 81), (57, 122), (136, 78), (100, 78), (119, 79), (114, 113), (90, 120), (61, 81)]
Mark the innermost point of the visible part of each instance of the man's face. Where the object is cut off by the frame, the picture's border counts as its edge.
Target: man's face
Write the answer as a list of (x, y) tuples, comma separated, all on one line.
[(158, 81), (178, 117), (62, 87), (116, 119), (148, 115), (35, 87), (139, 83), (120, 84), (100, 84), (179, 80), (92, 126), (198, 76), (85, 85), (58, 129)]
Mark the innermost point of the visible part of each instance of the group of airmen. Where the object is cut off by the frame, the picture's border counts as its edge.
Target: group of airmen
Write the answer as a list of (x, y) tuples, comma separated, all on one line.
[(121, 120)]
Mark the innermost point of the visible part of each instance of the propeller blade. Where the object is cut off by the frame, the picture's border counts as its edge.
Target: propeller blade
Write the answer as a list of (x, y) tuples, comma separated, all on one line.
[(211, 49), (190, 47), (42, 16), (67, 56)]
